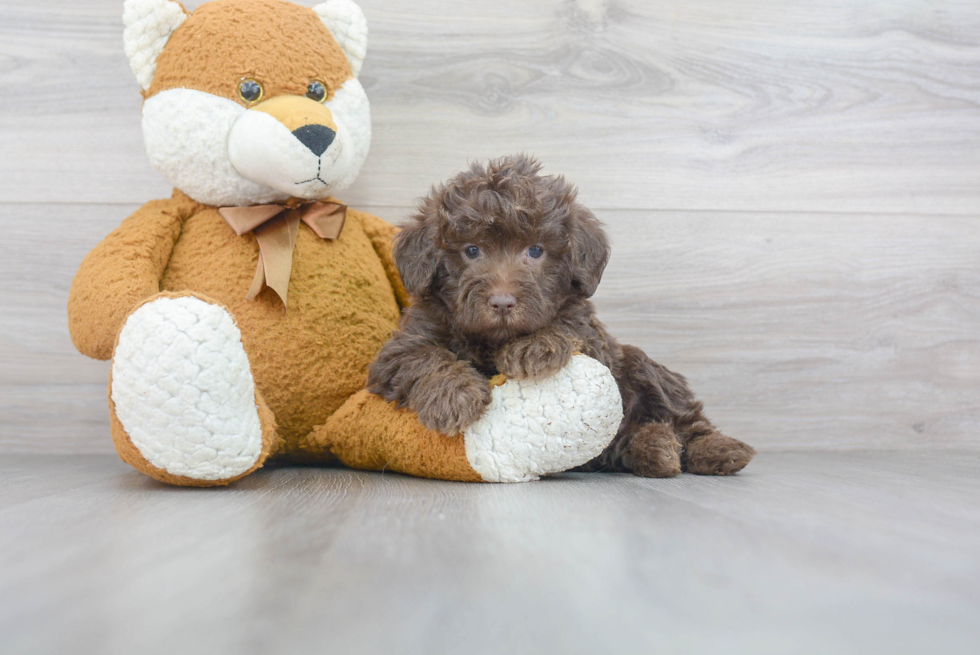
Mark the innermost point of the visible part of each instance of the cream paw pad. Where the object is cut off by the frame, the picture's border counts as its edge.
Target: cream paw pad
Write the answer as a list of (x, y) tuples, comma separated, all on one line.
[(537, 428), (183, 389)]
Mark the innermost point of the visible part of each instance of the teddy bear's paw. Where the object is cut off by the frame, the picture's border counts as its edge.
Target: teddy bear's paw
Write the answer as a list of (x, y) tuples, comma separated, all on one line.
[(533, 429), (183, 391)]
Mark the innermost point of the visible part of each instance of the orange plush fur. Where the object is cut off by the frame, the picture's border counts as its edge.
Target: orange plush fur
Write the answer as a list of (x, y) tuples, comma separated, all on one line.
[(227, 41)]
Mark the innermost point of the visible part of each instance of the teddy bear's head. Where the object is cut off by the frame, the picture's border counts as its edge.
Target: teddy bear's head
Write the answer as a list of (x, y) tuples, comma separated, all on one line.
[(251, 101)]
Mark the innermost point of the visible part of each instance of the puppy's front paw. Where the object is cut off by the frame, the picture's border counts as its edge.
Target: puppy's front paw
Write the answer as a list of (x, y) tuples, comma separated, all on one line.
[(535, 357), (449, 401)]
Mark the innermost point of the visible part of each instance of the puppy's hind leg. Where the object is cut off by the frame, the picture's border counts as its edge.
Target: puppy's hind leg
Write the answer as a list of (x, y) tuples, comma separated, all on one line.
[(663, 407), (709, 452)]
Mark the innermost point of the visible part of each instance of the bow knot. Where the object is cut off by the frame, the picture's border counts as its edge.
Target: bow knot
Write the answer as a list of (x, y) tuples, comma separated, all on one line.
[(275, 228)]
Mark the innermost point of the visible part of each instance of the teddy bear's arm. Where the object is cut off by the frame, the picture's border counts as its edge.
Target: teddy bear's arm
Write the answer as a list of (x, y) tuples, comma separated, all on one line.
[(120, 272), (380, 234)]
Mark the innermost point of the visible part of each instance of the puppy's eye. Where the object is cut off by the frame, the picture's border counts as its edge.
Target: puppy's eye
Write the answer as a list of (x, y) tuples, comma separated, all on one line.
[(471, 251), (535, 251), (250, 90), (316, 91)]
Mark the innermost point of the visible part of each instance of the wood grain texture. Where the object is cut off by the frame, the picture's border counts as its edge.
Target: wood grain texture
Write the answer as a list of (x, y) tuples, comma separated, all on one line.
[(800, 331), (751, 105), (802, 553)]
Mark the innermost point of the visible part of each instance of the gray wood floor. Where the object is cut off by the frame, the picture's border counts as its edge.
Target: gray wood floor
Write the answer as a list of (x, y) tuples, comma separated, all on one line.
[(802, 553)]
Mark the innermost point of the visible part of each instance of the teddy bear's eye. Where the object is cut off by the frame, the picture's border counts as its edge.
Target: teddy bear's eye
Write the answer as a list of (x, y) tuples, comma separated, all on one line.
[(250, 90), (316, 91), (471, 251), (535, 251)]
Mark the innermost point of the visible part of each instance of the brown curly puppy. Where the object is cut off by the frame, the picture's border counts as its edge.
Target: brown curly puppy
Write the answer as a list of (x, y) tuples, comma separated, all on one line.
[(502, 261)]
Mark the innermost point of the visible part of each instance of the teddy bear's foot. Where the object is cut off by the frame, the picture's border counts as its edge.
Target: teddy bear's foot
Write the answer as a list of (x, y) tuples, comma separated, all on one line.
[(184, 405), (529, 430), (532, 429), (714, 453)]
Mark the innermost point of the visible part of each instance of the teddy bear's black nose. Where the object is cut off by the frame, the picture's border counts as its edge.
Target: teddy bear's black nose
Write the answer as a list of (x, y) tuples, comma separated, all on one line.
[(315, 137)]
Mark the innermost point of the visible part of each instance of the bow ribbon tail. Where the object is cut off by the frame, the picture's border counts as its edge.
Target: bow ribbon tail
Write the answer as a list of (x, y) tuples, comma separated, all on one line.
[(276, 239)]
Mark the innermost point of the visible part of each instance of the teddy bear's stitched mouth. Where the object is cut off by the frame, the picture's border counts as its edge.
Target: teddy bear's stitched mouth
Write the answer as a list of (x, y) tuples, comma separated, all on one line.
[(333, 154), (319, 165)]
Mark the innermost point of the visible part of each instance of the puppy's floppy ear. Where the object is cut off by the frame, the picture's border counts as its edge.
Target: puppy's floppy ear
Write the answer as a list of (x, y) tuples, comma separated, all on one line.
[(417, 255), (588, 248)]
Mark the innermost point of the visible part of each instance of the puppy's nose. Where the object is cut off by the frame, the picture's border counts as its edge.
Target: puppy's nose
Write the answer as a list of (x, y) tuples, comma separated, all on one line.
[(315, 137), (502, 303)]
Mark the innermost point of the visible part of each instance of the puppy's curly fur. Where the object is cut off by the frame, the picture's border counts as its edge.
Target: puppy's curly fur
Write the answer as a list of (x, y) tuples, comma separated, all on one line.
[(502, 261)]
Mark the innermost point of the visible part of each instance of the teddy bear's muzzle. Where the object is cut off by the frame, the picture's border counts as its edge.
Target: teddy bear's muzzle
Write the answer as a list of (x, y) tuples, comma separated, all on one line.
[(293, 144)]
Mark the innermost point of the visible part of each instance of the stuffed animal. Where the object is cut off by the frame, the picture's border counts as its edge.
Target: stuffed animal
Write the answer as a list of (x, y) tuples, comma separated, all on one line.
[(242, 313)]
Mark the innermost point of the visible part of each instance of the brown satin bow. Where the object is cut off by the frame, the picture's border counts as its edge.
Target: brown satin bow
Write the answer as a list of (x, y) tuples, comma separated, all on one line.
[(275, 228)]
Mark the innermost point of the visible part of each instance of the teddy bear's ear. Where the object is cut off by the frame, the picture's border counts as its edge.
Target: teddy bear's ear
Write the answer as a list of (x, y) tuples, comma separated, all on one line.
[(346, 22), (149, 24)]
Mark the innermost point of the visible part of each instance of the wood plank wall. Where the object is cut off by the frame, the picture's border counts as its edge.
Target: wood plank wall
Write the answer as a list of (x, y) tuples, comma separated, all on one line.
[(792, 189)]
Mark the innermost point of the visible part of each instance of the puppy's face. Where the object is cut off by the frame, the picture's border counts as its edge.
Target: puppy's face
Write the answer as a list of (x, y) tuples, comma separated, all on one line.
[(504, 277), (503, 247)]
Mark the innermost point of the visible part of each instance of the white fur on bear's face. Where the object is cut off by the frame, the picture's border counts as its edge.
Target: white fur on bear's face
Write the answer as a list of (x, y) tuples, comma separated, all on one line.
[(263, 150), (186, 135), (221, 154)]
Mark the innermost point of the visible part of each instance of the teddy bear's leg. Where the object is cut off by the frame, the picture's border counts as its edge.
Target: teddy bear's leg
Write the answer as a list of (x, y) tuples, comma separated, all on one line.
[(529, 430), (184, 408), (371, 434)]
